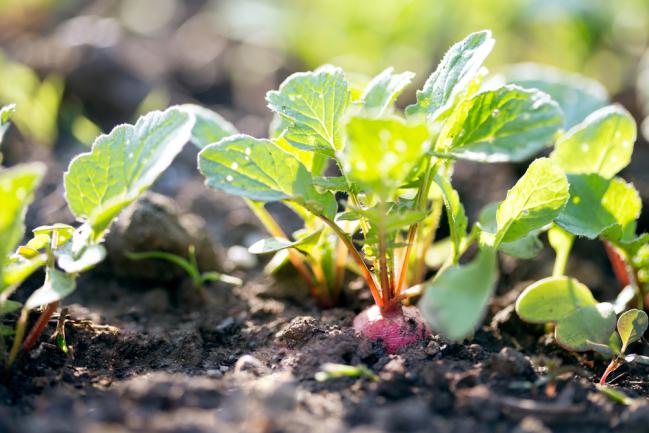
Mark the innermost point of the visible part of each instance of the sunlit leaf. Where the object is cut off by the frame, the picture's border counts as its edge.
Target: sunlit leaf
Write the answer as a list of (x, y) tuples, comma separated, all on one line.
[(527, 247), (536, 200), (507, 124), (124, 164), (602, 143), (599, 206), (259, 170), (631, 326), (553, 298), (382, 91), (17, 186), (314, 103), (380, 153), (458, 68)]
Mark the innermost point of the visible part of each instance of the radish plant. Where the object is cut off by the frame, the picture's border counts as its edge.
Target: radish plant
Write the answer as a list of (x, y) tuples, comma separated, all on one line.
[(601, 207), (99, 184), (394, 171), (314, 251)]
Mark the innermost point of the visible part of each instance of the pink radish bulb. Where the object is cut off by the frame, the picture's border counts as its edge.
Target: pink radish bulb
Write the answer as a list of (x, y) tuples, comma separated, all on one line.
[(395, 328)]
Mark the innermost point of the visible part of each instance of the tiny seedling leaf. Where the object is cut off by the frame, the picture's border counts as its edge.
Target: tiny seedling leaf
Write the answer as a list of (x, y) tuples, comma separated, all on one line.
[(455, 300), (591, 323), (599, 206), (381, 92), (331, 370), (458, 68), (602, 143), (57, 286), (272, 245), (615, 395), (123, 164), (259, 170), (535, 201), (314, 103), (209, 127), (553, 298), (507, 124), (631, 326)]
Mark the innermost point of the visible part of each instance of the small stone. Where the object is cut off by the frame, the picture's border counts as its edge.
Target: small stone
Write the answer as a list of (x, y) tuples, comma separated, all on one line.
[(300, 330), (531, 425)]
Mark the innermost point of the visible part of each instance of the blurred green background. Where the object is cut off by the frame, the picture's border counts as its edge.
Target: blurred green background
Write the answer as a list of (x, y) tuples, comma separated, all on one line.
[(140, 54)]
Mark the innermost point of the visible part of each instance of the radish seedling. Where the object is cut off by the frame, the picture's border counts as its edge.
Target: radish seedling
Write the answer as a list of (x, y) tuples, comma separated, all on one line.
[(99, 184), (199, 279), (605, 207), (394, 171)]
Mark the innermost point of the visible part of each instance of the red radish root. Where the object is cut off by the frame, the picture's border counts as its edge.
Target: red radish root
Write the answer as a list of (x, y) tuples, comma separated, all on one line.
[(395, 328)]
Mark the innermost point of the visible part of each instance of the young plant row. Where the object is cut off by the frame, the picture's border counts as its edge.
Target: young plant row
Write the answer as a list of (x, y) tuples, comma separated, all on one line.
[(99, 184), (372, 183)]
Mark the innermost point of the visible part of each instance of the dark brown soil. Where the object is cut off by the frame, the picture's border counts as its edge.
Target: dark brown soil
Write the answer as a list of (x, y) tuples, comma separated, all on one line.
[(155, 358)]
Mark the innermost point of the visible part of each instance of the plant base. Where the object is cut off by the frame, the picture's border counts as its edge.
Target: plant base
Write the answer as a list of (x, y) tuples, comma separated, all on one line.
[(395, 328)]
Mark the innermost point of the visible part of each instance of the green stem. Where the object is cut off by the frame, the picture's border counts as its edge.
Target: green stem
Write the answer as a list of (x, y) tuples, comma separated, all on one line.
[(561, 259), (369, 278), (19, 335), (274, 229)]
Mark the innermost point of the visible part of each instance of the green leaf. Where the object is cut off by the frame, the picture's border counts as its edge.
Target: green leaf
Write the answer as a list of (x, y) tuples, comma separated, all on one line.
[(382, 91), (599, 206), (381, 153), (74, 258), (456, 217), (602, 144), (8, 306), (5, 115), (458, 68), (314, 103), (551, 299), (631, 326), (19, 268), (272, 245), (507, 124), (57, 286), (527, 247), (209, 127), (536, 200), (592, 323), (17, 186), (259, 170), (615, 395), (577, 95), (332, 183), (124, 164), (455, 300)]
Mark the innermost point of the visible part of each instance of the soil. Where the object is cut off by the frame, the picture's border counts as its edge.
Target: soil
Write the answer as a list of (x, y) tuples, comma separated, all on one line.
[(153, 355)]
